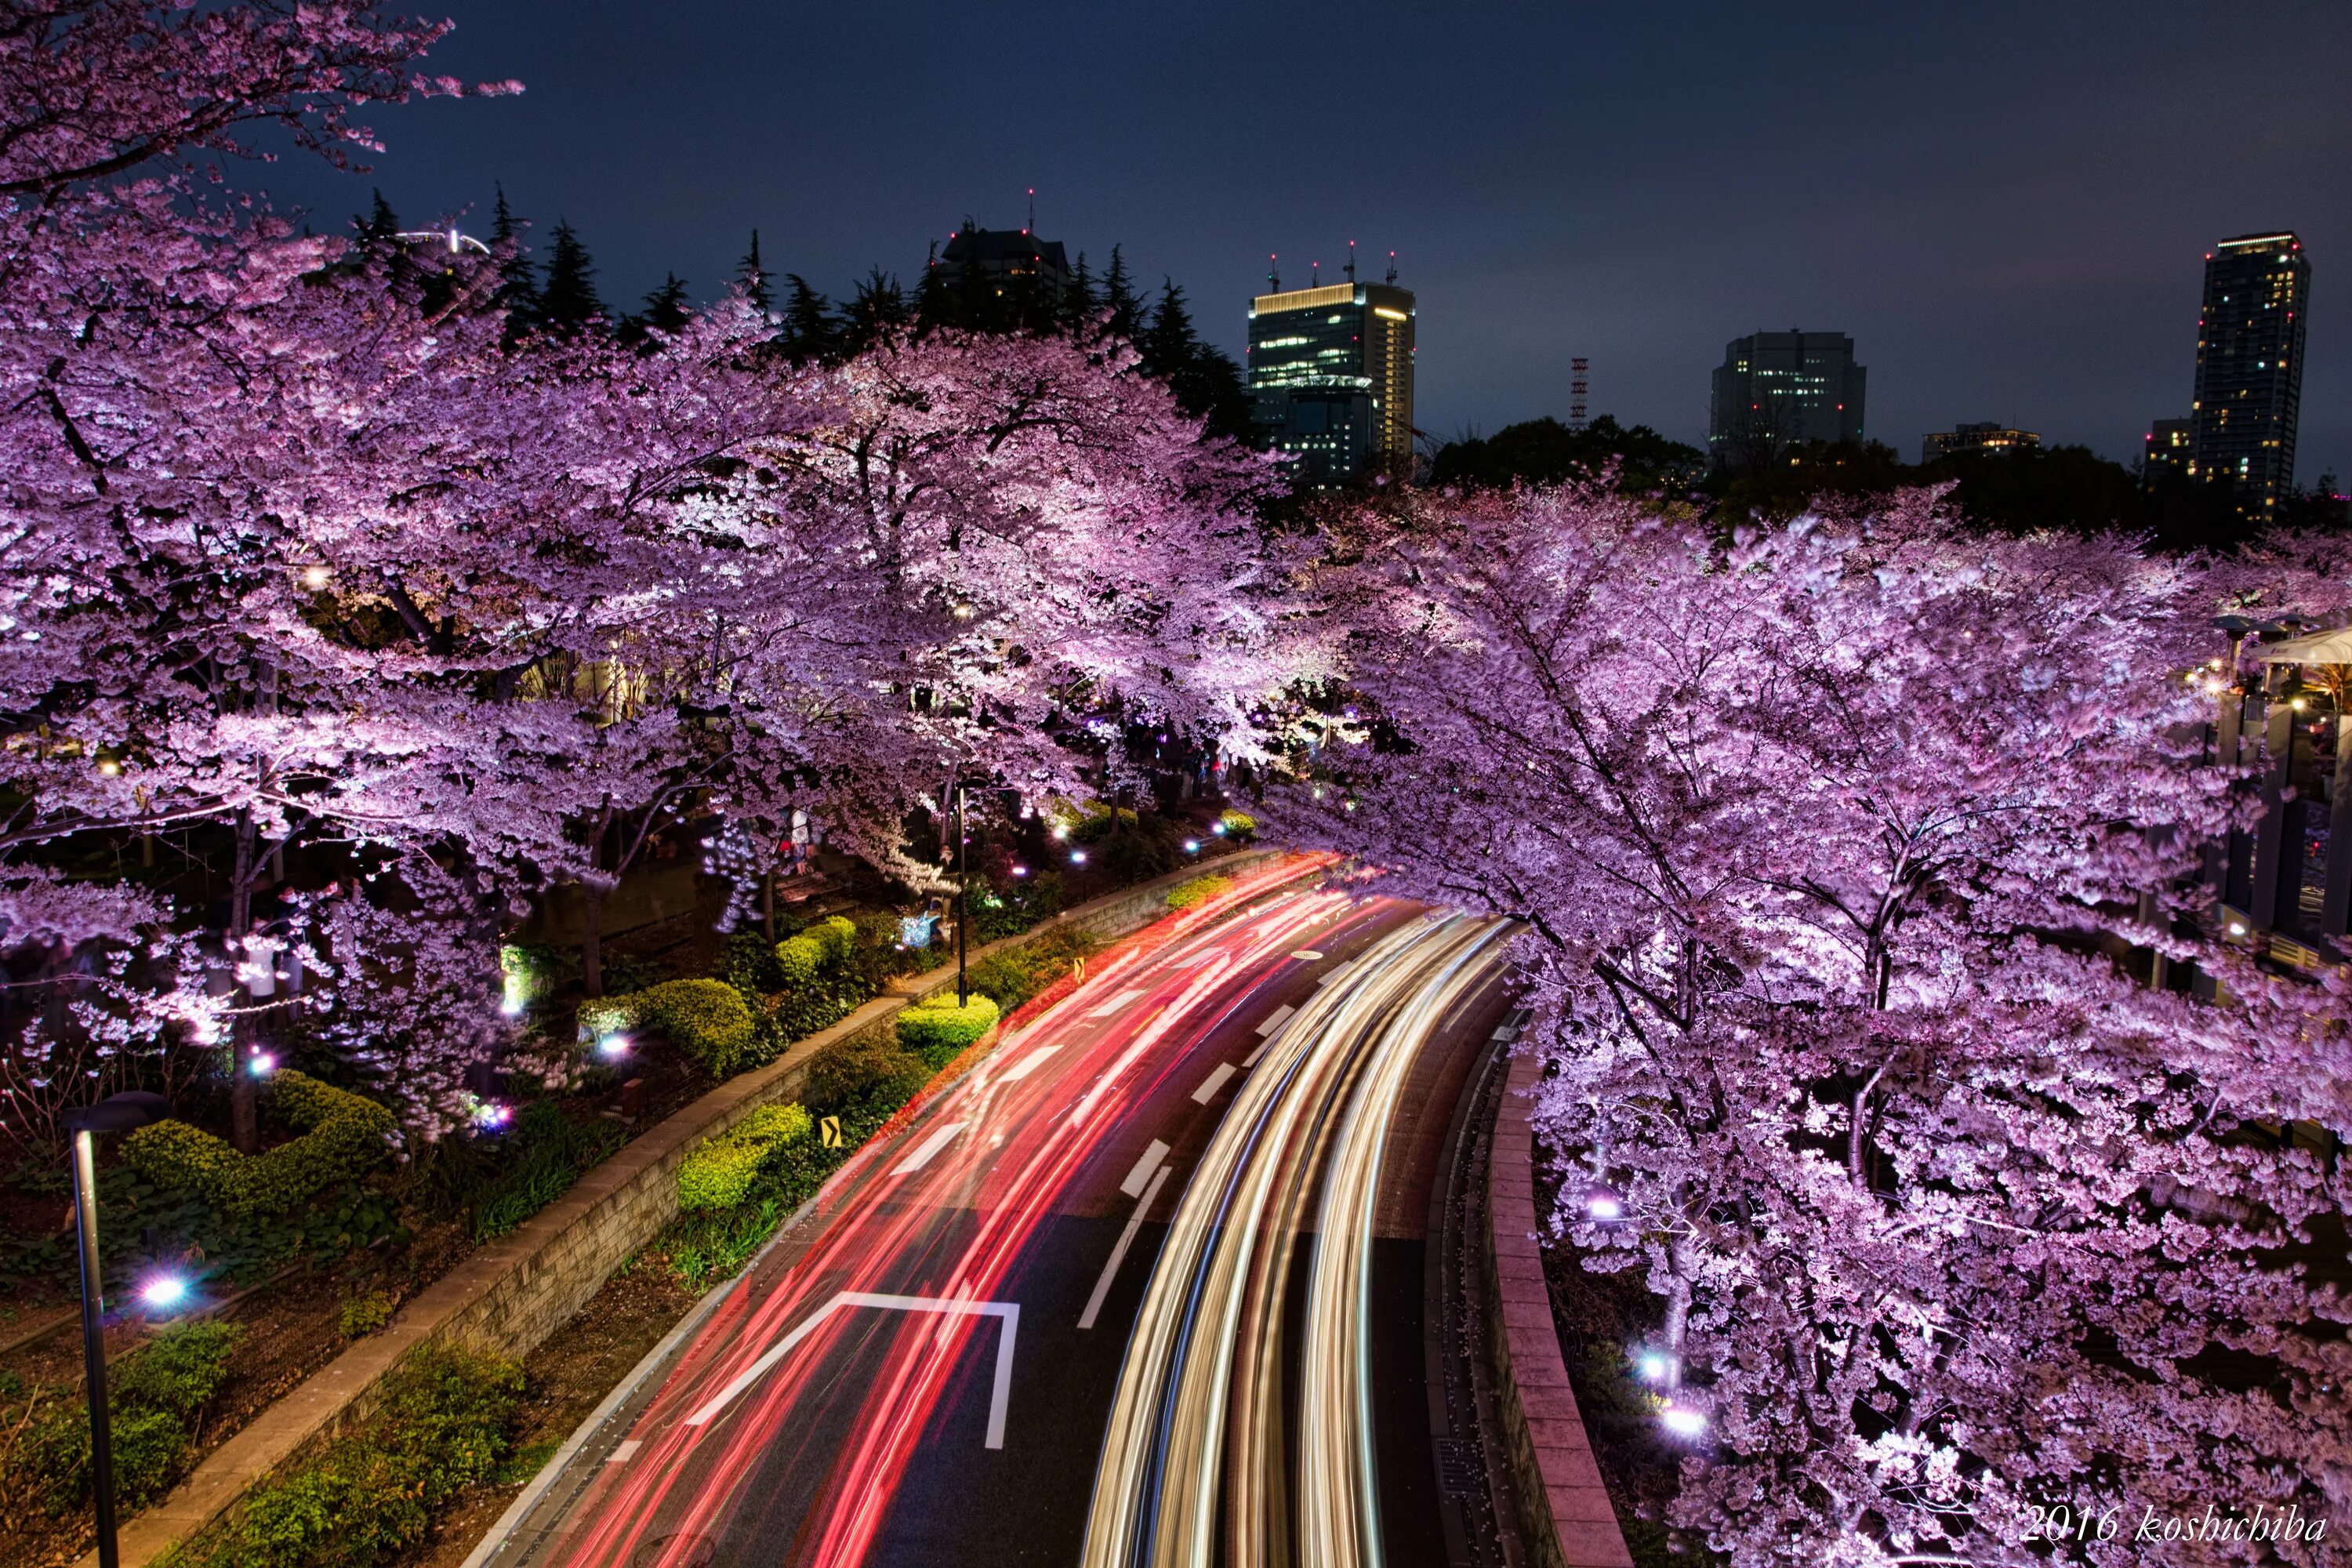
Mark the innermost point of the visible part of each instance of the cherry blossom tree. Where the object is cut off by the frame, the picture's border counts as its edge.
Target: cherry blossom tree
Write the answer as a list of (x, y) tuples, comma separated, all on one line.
[(1836, 846)]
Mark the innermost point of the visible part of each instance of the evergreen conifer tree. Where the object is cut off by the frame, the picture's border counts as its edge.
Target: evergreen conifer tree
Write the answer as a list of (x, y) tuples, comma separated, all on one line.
[(809, 331), (1206, 383), (878, 310), (1119, 297), (665, 312), (568, 304), (754, 277), (1080, 304), (380, 228), (518, 290)]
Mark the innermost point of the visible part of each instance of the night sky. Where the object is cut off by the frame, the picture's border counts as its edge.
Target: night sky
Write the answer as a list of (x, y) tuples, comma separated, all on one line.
[(2006, 205)]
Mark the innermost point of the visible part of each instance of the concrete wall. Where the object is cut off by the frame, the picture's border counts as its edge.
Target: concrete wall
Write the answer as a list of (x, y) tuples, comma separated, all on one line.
[(1565, 1511), (507, 1297)]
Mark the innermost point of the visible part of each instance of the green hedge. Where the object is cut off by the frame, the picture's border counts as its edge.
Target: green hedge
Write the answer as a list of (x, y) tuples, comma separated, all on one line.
[(936, 1029), (1198, 891), (1238, 825), (824, 945), (155, 1397), (707, 1019), (1015, 977), (343, 1136), (718, 1173), (441, 1428)]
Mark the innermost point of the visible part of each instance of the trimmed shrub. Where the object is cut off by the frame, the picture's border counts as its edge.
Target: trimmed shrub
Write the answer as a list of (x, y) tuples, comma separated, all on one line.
[(1198, 891), (798, 958), (344, 1135), (935, 1029), (440, 1429), (1015, 977), (1238, 825), (154, 1397), (863, 1072), (719, 1172), (1099, 822), (707, 1019), (836, 935)]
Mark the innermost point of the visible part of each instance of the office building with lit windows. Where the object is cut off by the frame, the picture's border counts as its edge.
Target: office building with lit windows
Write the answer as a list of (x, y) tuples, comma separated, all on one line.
[(1003, 256), (1778, 390), (1985, 435), (1330, 376), (2249, 369), (2166, 451)]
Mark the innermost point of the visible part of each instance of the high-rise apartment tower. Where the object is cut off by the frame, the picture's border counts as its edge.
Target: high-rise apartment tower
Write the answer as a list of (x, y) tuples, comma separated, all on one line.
[(2249, 369), (1331, 374)]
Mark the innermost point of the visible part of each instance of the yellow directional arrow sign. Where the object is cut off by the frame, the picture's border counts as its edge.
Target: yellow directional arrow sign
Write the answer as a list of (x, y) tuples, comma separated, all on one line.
[(829, 1131)]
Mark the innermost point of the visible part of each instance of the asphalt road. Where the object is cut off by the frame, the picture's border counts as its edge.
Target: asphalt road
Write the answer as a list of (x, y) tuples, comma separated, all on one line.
[(1146, 1286)]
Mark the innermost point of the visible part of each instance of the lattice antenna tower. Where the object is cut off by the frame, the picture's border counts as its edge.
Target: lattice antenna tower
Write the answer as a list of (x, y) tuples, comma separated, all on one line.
[(1576, 387)]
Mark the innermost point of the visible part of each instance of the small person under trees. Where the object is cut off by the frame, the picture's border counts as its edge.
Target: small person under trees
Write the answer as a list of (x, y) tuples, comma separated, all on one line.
[(1829, 842)]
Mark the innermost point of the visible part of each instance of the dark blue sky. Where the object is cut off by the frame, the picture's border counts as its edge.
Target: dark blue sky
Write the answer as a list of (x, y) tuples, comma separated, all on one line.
[(2007, 206)]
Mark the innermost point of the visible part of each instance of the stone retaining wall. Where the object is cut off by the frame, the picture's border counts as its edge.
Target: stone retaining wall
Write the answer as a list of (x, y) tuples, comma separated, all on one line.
[(1565, 1512), (508, 1296)]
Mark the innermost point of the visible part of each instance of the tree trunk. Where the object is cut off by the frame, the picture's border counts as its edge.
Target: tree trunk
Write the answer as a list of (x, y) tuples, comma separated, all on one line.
[(591, 933), (768, 903), (245, 1089)]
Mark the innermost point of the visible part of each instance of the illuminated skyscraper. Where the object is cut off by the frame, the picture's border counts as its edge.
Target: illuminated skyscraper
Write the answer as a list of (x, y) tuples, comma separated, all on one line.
[(2249, 369), (1777, 390), (1330, 373)]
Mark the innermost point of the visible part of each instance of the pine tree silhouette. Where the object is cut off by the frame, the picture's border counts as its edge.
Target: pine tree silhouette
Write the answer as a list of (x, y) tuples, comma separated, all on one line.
[(568, 304)]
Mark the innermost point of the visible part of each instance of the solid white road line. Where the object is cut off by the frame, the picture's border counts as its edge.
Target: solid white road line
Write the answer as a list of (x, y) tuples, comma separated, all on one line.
[(1119, 1254), (1274, 1020), (999, 1395), (928, 1148), (1133, 1185), (1215, 1082), (1122, 1000), (1028, 1064), (624, 1450), (1306, 955)]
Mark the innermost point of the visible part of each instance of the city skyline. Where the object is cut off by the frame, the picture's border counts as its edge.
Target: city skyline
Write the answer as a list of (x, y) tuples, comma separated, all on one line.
[(2017, 255)]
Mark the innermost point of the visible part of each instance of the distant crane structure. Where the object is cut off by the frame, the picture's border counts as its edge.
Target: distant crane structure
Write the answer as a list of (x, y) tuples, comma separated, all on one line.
[(1577, 383)]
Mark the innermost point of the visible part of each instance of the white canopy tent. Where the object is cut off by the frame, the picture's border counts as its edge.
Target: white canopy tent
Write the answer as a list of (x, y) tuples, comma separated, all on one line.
[(2319, 647)]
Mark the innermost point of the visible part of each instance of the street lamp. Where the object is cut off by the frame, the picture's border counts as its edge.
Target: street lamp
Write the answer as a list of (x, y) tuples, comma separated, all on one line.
[(117, 1113)]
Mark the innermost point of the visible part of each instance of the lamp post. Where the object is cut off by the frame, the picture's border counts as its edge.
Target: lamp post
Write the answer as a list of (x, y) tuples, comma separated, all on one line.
[(964, 898), (117, 1113)]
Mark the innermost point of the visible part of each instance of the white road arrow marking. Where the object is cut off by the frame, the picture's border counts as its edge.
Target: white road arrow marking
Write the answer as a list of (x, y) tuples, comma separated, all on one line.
[(928, 1148), (999, 1395)]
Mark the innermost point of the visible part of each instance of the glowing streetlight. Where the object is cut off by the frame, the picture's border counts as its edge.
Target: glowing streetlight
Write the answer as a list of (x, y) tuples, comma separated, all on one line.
[(1683, 1421), (1651, 1367), (1078, 857), (1602, 1205), (261, 1064), (117, 1113), (163, 1292)]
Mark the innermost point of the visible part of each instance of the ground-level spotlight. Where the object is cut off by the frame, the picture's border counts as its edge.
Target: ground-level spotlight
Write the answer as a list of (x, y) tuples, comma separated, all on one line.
[(163, 1292), (1651, 1367), (613, 1046), (1061, 834), (1020, 870), (1602, 1205), (1191, 847), (1219, 830), (1078, 857), (493, 1114), (261, 1064), (1683, 1421)]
